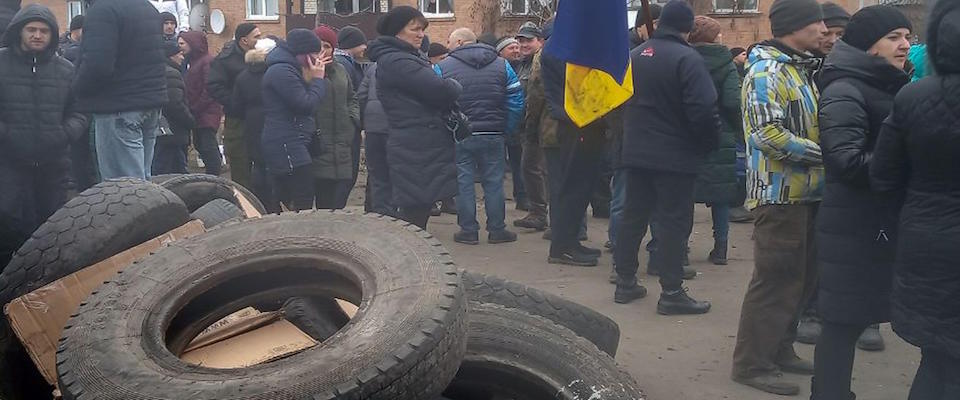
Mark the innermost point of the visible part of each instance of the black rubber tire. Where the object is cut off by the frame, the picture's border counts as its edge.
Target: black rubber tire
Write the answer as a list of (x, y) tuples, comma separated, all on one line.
[(217, 212), (512, 354), (303, 311), (104, 220), (196, 190), (405, 342), (582, 320)]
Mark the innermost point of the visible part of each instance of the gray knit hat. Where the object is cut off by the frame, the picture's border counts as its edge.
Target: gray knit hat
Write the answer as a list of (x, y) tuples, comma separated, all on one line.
[(788, 16)]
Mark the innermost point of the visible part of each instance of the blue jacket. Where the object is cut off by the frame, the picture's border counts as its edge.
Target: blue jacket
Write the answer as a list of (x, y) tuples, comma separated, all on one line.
[(289, 103), (122, 67), (492, 96), (671, 122)]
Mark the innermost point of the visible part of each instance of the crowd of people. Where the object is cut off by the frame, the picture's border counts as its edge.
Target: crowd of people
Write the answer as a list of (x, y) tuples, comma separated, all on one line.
[(845, 169)]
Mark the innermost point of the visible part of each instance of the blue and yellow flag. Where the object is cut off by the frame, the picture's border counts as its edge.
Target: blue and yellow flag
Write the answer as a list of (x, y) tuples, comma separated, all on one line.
[(590, 36)]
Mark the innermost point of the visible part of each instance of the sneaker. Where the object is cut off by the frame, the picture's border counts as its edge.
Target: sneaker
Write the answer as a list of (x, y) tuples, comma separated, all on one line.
[(628, 290), (740, 215), (796, 365), (531, 222), (688, 272), (678, 302), (503, 236), (435, 211), (582, 236), (589, 250), (608, 245), (466, 237), (718, 256), (773, 382), (870, 339), (522, 205), (573, 257), (449, 206), (809, 330)]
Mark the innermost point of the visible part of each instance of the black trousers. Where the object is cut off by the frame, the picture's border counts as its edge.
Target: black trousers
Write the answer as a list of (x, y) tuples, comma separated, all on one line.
[(417, 215), (30, 195), (937, 377), (263, 187), (573, 168), (332, 194), (833, 358), (669, 195), (378, 175), (515, 156), (295, 189), (169, 159), (205, 141)]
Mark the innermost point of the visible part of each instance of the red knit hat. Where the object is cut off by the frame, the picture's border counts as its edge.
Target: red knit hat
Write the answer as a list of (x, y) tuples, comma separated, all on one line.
[(326, 34)]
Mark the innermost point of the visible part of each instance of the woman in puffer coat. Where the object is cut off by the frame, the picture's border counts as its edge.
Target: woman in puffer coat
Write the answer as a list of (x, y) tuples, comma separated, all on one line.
[(170, 151), (338, 118), (716, 183), (855, 231), (917, 154), (420, 149), (293, 86)]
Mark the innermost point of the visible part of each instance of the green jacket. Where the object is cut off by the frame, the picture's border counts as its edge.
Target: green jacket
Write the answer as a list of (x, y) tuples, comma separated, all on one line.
[(338, 118), (717, 179), (538, 123)]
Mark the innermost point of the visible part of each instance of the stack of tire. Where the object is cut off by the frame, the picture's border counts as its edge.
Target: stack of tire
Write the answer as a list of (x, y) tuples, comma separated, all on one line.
[(423, 329), (100, 222)]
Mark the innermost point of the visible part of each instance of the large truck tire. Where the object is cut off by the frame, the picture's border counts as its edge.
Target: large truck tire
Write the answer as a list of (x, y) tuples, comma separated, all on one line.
[(405, 342), (196, 190)]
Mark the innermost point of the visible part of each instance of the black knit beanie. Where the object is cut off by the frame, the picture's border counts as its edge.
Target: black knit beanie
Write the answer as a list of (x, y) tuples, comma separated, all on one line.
[(170, 47), (677, 15), (394, 21), (834, 15), (437, 49), (76, 22), (871, 24), (303, 41), (788, 16), (168, 16), (350, 37)]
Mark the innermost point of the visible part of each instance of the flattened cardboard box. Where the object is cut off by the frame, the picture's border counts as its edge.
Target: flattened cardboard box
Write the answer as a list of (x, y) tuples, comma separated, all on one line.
[(38, 317)]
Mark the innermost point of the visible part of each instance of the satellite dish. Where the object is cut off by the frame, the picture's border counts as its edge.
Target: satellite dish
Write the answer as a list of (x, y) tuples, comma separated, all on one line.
[(217, 21), (198, 17)]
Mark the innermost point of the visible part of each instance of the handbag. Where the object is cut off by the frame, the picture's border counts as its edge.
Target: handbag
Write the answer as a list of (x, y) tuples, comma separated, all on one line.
[(458, 124), (164, 127)]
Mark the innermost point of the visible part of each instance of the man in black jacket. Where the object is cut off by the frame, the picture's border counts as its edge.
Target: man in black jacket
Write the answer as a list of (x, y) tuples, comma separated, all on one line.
[(70, 41), (170, 156), (223, 74), (670, 124), (37, 125), (121, 82)]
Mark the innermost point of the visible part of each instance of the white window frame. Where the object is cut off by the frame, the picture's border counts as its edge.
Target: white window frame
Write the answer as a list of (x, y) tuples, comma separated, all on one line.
[(507, 7), (74, 6), (754, 9), (263, 6), (427, 13)]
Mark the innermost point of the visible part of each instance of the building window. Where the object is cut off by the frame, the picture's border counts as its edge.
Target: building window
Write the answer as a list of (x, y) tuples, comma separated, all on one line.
[(74, 8), (346, 7), (437, 8), (734, 6), (521, 7), (263, 9)]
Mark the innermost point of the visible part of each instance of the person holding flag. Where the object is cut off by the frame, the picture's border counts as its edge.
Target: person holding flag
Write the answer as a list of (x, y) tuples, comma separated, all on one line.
[(670, 125), (582, 82)]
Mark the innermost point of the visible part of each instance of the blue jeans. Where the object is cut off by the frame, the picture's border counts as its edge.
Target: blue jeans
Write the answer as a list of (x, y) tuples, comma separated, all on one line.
[(125, 143), (721, 221), (485, 152), (618, 191)]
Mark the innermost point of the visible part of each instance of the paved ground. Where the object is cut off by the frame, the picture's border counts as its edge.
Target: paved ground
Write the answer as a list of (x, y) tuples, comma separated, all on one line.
[(674, 358)]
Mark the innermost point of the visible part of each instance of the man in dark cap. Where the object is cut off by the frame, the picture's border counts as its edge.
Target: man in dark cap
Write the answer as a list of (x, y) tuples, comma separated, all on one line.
[(836, 19), (638, 34), (351, 46), (70, 41), (785, 182), (533, 164), (223, 71), (670, 125), (169, 26), (437, 52)]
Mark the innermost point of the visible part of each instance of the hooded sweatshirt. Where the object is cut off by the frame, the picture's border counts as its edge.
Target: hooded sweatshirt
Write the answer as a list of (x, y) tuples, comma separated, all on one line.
[(37, 117), (204, 108), (779, 103)]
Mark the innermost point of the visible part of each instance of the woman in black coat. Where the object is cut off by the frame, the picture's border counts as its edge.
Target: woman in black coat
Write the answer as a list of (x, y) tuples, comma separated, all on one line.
[(247, 100), (420, 149), (855, 232), (170, 151), (917, 155)]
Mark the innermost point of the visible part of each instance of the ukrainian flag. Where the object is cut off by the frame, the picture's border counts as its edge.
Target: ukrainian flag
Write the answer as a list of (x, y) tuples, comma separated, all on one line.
[(590, 36)]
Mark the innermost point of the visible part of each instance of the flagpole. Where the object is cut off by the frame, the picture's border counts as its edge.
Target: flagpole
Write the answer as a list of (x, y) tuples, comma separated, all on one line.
[(647, 18)]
